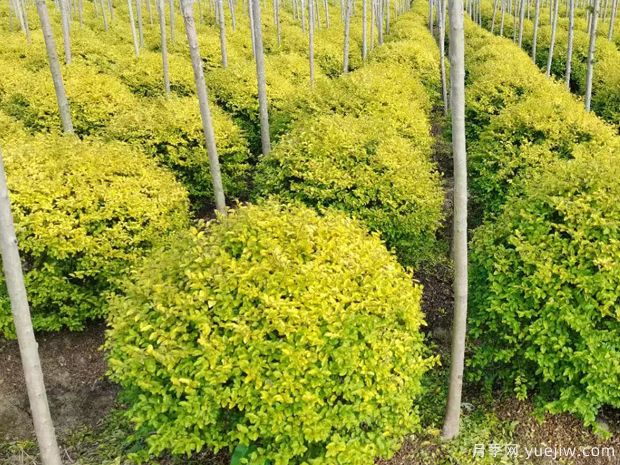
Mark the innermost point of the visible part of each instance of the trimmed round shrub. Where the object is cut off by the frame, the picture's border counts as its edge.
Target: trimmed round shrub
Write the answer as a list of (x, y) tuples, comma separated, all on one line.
[(361, 167), (527, 136), (170, 130), (293, 334), (84, 213), (545, 283)]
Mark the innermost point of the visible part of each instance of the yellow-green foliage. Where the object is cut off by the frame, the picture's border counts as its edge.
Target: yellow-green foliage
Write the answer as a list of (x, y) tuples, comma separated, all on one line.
[(171, 131), (95, 98), (606, 77), (545, 279), (361, 167), (276, 328), (84, 213), (10, 129), (519, 121)]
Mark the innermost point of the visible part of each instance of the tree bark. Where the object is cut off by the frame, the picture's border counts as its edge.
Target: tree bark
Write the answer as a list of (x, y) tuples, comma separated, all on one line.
[(442, 53), (612, 19), (233, 16), (569, 48), (503, 16), (591, 50), (164, 45), (347, 28), (139, 18), (521, 21), (535, 34), (203, 101), (554, 25), (364, 27), (14, 279), (52, 57), (459, 239), (66, 33), (219, 6), (104, 15), (311, 40), (260, 77), (136, 47), (171, 12), (494, 15)]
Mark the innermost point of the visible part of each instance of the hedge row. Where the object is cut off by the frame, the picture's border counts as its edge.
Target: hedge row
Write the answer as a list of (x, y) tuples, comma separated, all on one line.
[(364, 147), (606, 77), (544, 272), (85, 211)]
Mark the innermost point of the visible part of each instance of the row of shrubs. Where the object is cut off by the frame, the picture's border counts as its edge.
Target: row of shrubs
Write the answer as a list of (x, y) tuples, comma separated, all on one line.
[(285, 330), (606, 78), (544, 268)]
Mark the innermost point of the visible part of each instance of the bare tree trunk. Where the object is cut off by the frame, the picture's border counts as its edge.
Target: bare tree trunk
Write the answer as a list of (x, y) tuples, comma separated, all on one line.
[(442, 53), (326, 6), (276, 20), (219, 7), (260, 77), (111, 9), (554, 25), (161, 9), (380, 22), (612, 19), (373, 15), (387, 16), (251, 16), (494, 15), (430, 15), (569, 48), (149, 11), (52, 57), (104, 15), (14, 279), (66, 33), (233, 16), (521, 21), (459, 239), (139, 18), (134, 36), (203, 101), (364, 27), (311, 40), (501, 25), (591, 50), (81, 11), (303, 15), (171, 12), (347, 28), (535, 35)]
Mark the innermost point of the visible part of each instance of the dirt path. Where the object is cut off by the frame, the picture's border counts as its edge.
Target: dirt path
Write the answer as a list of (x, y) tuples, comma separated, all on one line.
[(74, 370)]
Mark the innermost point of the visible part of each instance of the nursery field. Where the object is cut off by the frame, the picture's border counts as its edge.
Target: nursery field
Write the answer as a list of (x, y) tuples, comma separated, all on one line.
[(309, 232)]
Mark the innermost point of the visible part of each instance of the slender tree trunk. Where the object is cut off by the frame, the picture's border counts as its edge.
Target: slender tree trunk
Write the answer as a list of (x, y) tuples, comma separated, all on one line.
[(276, 19), (251, 17), (14, 279), (442, 53), (372, 23), (134, 36), (81, 11), (303, 15), (111, 10), (139, 18), (326, 6), (203, 101), (104, 15), (233, 16), (535, 35), (514, 23), (261, 78), (612, 19), (219, 7), (364, 27), (554, 25), (459, 239), (387, 15), (149, 11), (66, 33), (521, 21), (171, 13), (347, 27), (569, 48), (164, 45), (430, 15), (380, 22), (591, 50), (311, 40), (52, 57), (501, 25), (494, 15)]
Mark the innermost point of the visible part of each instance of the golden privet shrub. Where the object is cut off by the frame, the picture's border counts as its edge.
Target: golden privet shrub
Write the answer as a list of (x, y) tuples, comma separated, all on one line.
[(275, 328), (84, 213), (544, 288)]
